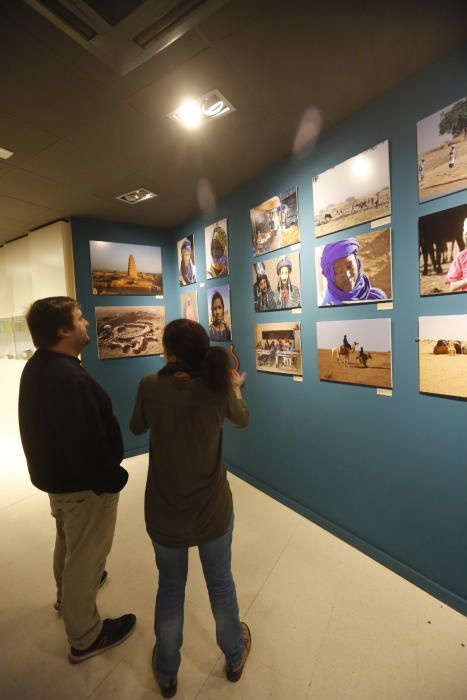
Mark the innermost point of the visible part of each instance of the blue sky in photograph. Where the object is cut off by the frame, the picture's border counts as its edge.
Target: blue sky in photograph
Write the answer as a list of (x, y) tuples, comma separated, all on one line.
[(374, 334), (106, 256)]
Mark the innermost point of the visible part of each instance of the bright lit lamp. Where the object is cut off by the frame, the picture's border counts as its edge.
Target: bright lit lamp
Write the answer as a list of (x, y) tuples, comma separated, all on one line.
[(190, 114)]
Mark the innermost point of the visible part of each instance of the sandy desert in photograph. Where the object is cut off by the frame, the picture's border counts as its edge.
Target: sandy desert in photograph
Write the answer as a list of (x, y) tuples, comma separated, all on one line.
[(438, 179), (376, 373), (442, 374)]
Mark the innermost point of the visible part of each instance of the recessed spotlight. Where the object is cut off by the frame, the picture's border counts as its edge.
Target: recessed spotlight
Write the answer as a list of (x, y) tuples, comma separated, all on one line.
[(5, 153), (136, 196), (192, 113)]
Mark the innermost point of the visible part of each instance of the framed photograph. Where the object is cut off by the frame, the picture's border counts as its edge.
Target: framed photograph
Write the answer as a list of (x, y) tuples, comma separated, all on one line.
[(217, 250), (355, 270), (442, 238), (129, 331), (220, 319), (126, 269), (276, 283), (442, 152), (186, 261), (274, 223), (189, 306), (353, 192), (355, 352), (278, 348), (442, 353)]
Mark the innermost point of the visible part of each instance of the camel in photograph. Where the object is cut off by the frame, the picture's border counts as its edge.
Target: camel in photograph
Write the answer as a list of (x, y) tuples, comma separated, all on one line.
[(340, 351)]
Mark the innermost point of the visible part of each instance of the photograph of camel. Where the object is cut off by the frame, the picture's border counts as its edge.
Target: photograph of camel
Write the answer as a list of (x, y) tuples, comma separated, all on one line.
[(125, 269), (353, 192), (443, 251), (278, 348), (355, 270), (442, 352), (274, 223), (129, 331), (442, 152), (355, 351)]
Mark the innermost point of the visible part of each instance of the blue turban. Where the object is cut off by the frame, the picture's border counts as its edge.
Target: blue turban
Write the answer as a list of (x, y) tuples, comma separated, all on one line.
[(362, 289)]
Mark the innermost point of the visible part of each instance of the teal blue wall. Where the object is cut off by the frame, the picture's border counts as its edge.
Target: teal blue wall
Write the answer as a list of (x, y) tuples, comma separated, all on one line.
[(120, 377), (388, 475)]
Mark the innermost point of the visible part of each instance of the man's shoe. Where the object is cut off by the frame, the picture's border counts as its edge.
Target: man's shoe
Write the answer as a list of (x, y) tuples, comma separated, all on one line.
[(168, 688), (234, 673), (113, 632), (58, 604)]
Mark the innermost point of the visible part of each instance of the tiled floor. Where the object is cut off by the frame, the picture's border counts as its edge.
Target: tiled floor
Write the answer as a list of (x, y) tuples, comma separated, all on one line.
[(328, 623)]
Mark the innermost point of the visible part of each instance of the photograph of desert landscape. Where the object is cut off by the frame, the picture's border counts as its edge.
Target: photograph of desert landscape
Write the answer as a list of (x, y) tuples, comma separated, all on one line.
[(443, 254), (274, 223), (372, 269), (353, 192), (442, 352), (355, 351), (125, 269), (442, 152), (278, 348), (129, 331)]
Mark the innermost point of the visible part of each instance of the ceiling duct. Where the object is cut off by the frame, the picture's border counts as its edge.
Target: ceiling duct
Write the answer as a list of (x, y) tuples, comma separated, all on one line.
[(125, 34)]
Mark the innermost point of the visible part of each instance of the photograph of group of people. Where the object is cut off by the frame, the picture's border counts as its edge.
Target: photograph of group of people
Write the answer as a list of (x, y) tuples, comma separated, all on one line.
[(278, 348), (276, 283)]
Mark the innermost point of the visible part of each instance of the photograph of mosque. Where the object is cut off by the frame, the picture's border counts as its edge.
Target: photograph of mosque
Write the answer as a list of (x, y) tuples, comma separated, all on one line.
[(126, 269), (129, 331)]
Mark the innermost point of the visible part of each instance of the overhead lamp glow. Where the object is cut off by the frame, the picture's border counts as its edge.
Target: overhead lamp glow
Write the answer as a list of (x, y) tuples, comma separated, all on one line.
[(361, 166), (5, 153), (190, 114)]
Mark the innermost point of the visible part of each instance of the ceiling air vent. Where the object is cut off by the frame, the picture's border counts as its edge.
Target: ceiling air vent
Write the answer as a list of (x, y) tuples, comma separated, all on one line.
[(125, 34), (136, 196)]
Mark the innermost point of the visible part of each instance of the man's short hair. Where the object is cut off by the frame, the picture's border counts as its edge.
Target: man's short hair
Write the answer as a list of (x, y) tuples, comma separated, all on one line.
[(46, 317)]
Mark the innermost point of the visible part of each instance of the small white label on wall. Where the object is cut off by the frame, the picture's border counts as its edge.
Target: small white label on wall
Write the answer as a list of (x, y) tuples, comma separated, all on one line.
[(298, 379), (159, 296), (384, 392), (201, 284), (381, 222), (296, 311), (296, 246), (385, 305)]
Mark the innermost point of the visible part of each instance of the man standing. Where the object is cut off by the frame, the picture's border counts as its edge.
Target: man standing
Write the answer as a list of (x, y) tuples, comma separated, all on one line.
[(73, 448)]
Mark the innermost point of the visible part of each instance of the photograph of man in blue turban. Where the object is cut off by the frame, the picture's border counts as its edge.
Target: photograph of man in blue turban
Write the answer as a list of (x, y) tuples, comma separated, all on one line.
[(347, 267)]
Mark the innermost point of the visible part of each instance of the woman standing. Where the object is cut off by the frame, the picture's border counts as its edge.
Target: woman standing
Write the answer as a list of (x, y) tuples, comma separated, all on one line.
[(188, 501)]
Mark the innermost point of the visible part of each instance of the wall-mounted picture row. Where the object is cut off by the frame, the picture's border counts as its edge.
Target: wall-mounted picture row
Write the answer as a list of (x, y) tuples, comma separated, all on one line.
[(353, 192), (278, 348), (442, 352), (274, 223), (216, 246), (443, 251), (125, 269), (129, 331), (220, 320), (276, 283), (355, 351), (442, 151), (189, 306), (186, 261)]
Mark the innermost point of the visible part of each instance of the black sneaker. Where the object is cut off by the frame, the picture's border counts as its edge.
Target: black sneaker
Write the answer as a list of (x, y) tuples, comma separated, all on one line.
[(58, 604), (168, 688), (113, 632), (234, 673)]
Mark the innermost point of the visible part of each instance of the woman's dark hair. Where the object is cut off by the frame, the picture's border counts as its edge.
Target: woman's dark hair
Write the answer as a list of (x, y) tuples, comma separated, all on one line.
[(46, 317), (217, 295), (189, 342)]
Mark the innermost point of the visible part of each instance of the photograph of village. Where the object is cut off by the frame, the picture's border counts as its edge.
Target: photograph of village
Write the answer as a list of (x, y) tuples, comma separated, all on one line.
[(126, 269), (278, 348), (442, 152), (129, 331), (442, 352), (356, 275), (355, 351), (274, 223), (353, 192), (443, 251)]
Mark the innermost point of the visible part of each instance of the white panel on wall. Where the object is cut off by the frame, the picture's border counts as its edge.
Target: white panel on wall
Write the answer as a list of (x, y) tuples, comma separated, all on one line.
[(19, 272), (50, 261), (6, 292)]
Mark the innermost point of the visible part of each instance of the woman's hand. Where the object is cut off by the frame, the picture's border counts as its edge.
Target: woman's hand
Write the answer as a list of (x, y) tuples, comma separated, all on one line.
[(237, 380)]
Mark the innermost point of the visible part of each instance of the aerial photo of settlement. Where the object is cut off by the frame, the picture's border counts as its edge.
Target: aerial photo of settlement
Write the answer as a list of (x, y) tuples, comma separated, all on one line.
[(124, 269), (129, 331)]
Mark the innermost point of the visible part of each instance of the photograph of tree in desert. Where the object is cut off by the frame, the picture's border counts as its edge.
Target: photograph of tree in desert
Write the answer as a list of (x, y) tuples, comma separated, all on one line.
[(355, 352), (442, 152), (129, 331), (443, 251), (353, 192), (355, 270), (442, 353)]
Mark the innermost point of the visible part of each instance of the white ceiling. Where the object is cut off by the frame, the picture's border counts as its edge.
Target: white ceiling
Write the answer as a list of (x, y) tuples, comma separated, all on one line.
[(83, 134)]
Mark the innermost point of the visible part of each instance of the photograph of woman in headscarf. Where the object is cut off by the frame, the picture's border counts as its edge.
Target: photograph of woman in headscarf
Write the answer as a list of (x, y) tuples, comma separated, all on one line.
[(355, 270), (217, 250), (219, 313), (186, 261)]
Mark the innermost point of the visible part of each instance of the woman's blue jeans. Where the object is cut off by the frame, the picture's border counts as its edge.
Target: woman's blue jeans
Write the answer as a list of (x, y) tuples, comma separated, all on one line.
[(172, 563)]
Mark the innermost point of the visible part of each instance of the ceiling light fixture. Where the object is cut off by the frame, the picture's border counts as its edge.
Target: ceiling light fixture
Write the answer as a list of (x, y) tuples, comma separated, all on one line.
[(193, 113), (5, 153), (136, 196)]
